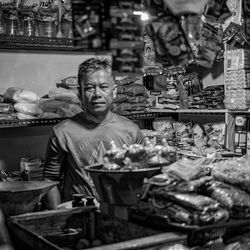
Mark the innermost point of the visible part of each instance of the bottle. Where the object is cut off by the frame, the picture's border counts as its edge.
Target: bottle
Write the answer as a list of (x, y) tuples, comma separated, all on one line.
[(24, 168), (47, 18), (26, 12), (66, 19)]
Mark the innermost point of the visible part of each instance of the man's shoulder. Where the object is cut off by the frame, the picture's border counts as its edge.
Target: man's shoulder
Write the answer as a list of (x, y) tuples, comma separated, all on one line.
[(124, 120), (67, 123)]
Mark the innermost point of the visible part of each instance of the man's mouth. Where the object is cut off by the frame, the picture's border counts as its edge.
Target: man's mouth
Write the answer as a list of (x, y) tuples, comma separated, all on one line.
[(97, 103)]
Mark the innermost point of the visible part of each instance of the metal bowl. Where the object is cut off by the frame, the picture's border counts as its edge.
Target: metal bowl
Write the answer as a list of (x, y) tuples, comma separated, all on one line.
[(119, 187), (20, 197)]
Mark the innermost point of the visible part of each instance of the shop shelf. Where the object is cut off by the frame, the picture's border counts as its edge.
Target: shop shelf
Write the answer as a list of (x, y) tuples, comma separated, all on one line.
[(190, 111), (41, 43), (133, 116), (34, 42), (28, 123)]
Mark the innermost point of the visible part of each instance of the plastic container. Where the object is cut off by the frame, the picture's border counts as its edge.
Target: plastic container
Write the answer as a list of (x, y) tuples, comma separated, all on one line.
[(20, 197)]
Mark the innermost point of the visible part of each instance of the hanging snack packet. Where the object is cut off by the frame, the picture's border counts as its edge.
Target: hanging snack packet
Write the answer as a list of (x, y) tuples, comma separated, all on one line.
[(209, 46), (47, 18), (217, 11), (9, 17), (216, 134), (27, 10), (191, 83), (170, 44)]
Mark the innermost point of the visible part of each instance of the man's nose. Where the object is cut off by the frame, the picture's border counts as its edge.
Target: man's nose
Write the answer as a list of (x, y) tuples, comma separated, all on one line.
[(97, 91)]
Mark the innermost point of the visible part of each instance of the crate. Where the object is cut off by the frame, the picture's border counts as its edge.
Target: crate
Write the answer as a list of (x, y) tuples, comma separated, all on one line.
[(43, 231), (196, 235)]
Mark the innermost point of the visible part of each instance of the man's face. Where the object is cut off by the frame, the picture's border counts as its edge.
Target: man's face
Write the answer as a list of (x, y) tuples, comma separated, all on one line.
[(98, 92)]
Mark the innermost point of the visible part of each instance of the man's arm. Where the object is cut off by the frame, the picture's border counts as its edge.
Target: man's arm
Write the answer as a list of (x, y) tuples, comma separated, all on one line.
[(52, 170)]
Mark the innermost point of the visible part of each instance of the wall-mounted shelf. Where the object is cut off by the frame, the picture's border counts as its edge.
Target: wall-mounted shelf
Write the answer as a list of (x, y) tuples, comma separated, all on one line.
[(34, 42), (41, 43), (133, 116), (189, 111), (28, 123)]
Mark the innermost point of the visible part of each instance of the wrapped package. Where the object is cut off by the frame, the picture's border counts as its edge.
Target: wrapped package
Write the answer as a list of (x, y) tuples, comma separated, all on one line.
[(8, 116), (48, 115), (216, 134), (16, 94), (50, 105), (22, 116), (6, 108), (62, 94), (68, 110), (28, 108)]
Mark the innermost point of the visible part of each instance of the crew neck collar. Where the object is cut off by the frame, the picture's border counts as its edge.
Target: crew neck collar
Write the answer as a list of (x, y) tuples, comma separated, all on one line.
[(106, 120)]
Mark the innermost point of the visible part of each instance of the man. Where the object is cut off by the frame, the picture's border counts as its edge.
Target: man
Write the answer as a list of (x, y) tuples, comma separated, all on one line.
[(83, 139)]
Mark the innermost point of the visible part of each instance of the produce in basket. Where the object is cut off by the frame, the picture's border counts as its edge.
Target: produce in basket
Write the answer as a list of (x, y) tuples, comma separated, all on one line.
[(235, 200), (137, 156)]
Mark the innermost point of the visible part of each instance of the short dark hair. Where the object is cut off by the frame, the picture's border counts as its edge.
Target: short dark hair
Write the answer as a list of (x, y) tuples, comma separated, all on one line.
[(92, 65)]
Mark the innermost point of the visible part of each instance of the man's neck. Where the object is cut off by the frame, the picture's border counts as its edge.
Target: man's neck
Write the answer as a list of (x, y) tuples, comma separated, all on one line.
[(97, 119)]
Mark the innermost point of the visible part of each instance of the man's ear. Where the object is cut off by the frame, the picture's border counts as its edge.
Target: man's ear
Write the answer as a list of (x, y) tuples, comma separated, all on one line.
[(115, 91)]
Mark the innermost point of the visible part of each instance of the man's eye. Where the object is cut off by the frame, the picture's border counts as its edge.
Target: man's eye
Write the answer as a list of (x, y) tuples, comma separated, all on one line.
[(88, 88), (104, 87)]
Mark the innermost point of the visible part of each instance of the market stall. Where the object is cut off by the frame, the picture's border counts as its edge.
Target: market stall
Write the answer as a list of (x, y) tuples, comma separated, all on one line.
[(181, 70)]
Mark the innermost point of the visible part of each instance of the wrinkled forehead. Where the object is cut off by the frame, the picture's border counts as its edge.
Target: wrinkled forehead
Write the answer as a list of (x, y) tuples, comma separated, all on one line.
[(102, 75)]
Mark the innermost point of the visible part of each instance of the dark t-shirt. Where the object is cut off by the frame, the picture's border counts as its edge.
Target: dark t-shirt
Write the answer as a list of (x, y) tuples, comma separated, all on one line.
[(75, 143)]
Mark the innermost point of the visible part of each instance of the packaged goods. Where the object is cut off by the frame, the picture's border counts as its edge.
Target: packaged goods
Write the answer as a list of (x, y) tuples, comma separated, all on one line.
[(217, 11), (164, 127), (216, 133), (68, 110), (87, 24), (237, 59), (16, 94), (209, 46), (22, 116), (8, 116), (28, 108), (182, 130), (62, 94), (66, 19), (47, 18), (128, 80), (70, 82), (27, 10), (6, 108), (235, 79), (8, 17), (191, 83), (131, 90), (149, 51), (158, 99), (49, 115), (209, 98), (49, 105), (171, 46), (237, 98), (199, 137)]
